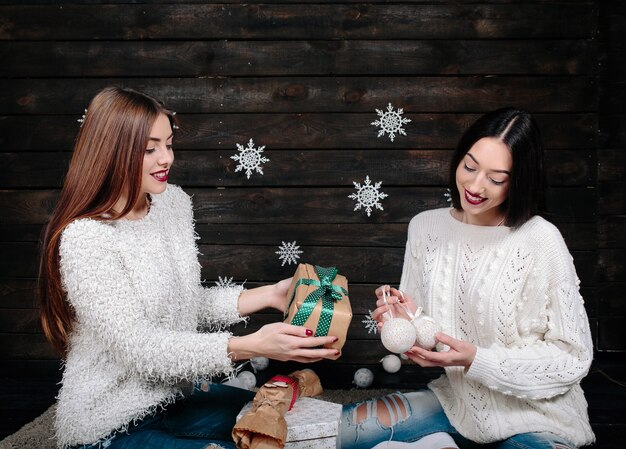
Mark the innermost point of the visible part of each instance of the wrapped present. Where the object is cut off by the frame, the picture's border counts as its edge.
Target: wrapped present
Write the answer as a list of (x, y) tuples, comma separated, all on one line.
[(262, 425), (311, 424), (319, 300)]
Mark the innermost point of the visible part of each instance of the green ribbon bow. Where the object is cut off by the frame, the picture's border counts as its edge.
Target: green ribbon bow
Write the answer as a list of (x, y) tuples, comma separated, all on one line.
[(327, 292)]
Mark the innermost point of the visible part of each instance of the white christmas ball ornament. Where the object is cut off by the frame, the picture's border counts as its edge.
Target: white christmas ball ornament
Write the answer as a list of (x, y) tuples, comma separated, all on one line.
[(398, 335), (259, 363), (235, 382), (425, 330), (363, 378), (247, 379), (391, 363)]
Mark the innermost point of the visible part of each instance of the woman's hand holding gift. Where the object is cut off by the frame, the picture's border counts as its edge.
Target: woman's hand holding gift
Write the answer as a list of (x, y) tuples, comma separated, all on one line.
[(282, 341)]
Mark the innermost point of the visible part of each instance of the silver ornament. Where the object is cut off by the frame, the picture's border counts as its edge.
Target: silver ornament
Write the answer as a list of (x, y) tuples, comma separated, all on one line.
[(259, 363), (363, 378), (235, 382), (391, 363), (247, 379)]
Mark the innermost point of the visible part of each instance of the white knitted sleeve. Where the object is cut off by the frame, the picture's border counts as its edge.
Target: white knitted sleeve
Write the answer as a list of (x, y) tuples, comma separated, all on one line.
[(101, 292), (559, 360), (411, 274)]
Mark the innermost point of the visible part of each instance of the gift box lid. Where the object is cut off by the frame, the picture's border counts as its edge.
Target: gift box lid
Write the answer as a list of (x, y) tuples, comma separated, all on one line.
[(309, 418)]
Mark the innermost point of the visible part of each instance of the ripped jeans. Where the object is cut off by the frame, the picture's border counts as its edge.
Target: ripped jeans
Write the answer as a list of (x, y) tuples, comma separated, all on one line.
[(202, 419), (407, 417)]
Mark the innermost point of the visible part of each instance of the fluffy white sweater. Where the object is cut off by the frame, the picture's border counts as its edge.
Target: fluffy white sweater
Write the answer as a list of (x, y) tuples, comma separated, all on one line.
[(513, 294), (135, 288)]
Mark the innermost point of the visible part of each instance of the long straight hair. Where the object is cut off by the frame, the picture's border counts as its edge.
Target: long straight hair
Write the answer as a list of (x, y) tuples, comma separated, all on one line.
[(106, 165)]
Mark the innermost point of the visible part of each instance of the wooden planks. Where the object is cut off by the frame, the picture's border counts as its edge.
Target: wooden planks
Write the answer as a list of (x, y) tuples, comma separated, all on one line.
[(291, 21), (218, 94), (298, 57)]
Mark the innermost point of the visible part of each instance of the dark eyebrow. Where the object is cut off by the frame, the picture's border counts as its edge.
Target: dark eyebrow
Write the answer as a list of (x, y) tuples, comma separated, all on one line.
[(156, 139), (497, 171)]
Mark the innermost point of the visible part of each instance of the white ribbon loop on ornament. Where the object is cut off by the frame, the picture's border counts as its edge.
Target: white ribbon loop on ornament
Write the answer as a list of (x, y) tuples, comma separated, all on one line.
[(411, 316)]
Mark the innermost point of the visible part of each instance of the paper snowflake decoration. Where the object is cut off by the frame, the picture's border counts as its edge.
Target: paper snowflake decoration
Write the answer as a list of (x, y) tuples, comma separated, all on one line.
[(225, 282), (370, 323), (391, 122), (289, 253), (82, 119), (448, 196), (367, 195), (250, 158)]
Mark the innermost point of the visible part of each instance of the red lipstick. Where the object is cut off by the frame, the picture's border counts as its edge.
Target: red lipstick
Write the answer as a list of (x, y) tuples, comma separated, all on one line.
[(160, 176), (473, 199)]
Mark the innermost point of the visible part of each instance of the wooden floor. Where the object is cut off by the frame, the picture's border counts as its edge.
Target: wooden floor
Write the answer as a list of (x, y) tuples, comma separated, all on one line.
[(23, 400)]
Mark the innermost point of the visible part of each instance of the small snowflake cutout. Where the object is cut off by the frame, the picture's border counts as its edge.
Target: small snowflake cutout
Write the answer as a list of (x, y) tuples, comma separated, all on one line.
[(225, 282), (289, 253), (391, 122), (82, 119), (249, 158), (448, 196), (367, 195), (370, 323)]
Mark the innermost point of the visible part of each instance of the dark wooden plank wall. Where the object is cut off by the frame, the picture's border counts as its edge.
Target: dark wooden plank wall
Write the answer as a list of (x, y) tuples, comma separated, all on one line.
[(611, 185), (304, 79)]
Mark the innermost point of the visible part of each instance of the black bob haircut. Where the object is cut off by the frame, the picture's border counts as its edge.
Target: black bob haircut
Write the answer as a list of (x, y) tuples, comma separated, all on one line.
[(518, 130)]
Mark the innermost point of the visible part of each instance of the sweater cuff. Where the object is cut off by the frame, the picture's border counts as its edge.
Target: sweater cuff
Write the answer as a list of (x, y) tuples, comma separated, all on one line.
[(483, 368), (221, 306), (215, 357), (229, 299)]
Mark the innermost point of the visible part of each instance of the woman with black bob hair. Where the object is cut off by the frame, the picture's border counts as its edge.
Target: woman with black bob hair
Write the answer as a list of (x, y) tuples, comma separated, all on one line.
[(518, 130), (501, 284)]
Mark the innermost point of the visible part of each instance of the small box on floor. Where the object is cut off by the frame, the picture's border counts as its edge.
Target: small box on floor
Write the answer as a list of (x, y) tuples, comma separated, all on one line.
[(311, 424)]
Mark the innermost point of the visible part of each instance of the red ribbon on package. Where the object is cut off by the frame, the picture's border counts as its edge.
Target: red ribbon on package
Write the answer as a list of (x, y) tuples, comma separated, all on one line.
[(290, 381)]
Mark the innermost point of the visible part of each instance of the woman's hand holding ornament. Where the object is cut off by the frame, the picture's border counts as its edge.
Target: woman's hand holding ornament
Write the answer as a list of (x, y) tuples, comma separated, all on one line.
[(393, 303), (460, 353)]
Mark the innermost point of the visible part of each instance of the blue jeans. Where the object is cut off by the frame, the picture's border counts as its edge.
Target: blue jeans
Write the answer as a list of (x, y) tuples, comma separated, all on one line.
[(410, 416), (195, 422)]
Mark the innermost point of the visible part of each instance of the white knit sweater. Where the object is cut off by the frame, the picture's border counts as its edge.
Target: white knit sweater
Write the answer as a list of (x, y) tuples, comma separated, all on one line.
[(513, 294), (135, 288)]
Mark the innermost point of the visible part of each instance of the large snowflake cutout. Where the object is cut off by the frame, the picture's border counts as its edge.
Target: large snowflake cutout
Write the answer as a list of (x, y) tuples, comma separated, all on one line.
[(250, 158), (370, 323), (391, 122), (289, 253), (225, 282), (367, 195)]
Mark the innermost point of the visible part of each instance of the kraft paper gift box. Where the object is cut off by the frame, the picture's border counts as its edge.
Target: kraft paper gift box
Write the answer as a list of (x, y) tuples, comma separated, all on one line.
[(319, 301), (311, 424)]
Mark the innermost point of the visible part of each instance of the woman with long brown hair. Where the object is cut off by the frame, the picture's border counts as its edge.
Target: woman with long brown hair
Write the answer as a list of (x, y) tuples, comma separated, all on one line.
[(122, 299)]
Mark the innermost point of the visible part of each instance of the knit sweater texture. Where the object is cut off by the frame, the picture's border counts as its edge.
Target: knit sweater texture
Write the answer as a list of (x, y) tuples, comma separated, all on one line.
[(140, 310), (514, 295)]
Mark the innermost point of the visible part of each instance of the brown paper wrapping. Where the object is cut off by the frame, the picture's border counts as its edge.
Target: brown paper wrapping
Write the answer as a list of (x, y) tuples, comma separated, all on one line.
[(342, 314), (264, 426)]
